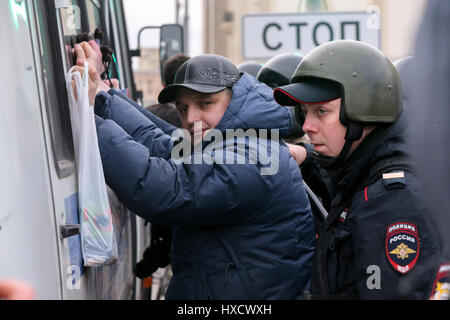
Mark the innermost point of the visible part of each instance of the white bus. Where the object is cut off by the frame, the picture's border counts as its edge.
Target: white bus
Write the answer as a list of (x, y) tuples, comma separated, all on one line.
[(39, 238)]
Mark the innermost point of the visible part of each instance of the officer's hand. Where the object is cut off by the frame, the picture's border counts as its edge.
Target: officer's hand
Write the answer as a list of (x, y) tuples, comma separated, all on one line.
[(297, 152)]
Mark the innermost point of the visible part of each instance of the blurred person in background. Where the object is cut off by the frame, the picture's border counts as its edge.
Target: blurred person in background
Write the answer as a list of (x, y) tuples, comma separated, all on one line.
[(251, 67), (171, 66), (430, 128), (157, 255), (12, 289), (168, 112)]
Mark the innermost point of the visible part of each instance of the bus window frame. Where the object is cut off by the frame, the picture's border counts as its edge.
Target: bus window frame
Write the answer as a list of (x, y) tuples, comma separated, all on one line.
[(55, 64), (119, 26), (51, 30), (55, 94), (93, 14), (102, 10)]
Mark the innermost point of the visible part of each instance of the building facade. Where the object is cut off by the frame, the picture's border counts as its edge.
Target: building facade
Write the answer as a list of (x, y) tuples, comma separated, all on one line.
[(223, 21)]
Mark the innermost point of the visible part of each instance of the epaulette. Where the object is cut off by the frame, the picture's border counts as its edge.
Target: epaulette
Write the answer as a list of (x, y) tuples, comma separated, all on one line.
[(394, 179)]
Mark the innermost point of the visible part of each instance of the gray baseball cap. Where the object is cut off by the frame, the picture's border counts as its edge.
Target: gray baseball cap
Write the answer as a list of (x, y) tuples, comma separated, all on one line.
[(206, 73)]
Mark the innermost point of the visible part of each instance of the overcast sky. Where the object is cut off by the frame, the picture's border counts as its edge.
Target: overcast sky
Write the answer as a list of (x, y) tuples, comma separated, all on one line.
[(155, 13)]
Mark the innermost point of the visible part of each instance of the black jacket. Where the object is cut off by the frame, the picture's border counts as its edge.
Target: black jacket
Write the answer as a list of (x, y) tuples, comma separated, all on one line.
[(377, 242)]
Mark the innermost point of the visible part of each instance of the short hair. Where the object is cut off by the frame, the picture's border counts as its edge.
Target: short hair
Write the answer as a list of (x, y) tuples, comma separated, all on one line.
[(167, 112), (171, 67)]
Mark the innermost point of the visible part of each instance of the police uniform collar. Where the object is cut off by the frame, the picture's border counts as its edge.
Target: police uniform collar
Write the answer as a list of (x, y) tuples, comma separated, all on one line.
[(353, 171)]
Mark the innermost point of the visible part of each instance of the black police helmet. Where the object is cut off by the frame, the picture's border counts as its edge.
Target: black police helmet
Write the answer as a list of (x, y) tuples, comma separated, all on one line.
[(279, 70), (251, 67), (406, 70)]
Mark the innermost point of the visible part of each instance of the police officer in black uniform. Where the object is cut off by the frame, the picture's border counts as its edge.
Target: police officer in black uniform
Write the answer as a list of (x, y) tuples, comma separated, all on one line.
[(377, 242)]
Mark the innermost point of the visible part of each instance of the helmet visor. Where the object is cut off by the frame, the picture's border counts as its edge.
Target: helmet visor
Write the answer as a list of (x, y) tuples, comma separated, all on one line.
[(308, 91)]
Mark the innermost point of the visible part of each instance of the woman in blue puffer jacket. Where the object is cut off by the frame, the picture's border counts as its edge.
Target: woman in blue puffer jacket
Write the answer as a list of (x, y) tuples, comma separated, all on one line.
[(243, 227)]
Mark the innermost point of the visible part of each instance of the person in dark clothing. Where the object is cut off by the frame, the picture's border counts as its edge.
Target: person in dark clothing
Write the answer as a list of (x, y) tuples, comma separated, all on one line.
[(171, 66), (157, 255), (228, 243), (276, 72), (406, 67), (251, 67), (377, 241), (168, 112)]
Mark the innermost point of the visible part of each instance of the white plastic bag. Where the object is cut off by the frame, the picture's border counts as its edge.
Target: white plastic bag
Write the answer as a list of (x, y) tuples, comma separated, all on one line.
[(98, 243)]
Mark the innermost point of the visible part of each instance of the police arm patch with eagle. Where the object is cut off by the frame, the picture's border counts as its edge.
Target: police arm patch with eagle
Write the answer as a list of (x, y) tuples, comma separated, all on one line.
[(402, 246)]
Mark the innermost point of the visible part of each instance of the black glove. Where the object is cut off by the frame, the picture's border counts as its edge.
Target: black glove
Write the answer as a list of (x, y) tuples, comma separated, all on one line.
[(158, 254)]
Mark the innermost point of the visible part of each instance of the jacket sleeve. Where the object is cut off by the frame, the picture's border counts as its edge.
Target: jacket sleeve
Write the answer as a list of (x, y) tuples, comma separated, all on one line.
[(166, 127), (139, 127), (385, 221), (167, 193)]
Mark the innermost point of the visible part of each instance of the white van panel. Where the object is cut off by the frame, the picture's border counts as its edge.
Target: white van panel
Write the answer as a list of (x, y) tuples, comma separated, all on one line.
[(28, 250)]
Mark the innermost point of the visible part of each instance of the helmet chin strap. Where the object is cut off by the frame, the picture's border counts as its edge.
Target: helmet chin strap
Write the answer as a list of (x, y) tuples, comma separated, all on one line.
[(354, 133)]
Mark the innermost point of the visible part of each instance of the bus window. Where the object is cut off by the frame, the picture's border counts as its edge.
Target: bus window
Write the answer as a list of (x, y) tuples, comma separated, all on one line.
[(55, 88), (79, 16), (122, 50), (86, 16), (71, 19), (98, 14)]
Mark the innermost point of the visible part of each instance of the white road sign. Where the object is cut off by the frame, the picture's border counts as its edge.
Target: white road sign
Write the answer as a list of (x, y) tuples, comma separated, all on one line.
[(266, 35)]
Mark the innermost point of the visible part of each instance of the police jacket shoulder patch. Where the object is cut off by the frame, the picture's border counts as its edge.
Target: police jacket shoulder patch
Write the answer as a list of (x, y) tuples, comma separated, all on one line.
[(402, 246), (394, 179)]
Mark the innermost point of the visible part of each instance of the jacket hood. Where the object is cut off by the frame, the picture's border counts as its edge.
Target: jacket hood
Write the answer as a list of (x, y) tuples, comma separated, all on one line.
[(253, 107)]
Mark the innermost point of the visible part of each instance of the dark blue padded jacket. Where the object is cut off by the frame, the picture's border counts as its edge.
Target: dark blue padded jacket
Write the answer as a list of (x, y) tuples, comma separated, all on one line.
[(238, 233)]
